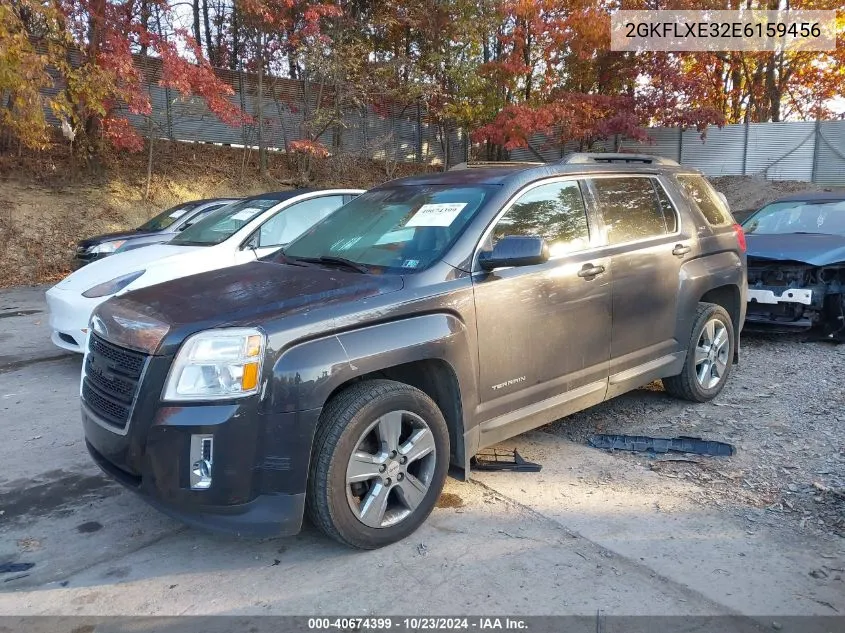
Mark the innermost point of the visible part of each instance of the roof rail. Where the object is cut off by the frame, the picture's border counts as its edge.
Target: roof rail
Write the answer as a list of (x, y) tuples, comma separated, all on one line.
[(579, 158), (494, 163)]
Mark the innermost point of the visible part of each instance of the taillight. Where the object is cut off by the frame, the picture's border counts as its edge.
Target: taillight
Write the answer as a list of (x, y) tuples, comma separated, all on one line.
[(740, 237)]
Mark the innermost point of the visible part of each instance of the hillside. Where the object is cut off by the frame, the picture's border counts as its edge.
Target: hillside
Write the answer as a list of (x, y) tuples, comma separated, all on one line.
[(46, 206)]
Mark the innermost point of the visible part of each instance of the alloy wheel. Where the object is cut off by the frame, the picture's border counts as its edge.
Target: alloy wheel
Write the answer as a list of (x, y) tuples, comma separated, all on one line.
[(390, 469), (711, 353)]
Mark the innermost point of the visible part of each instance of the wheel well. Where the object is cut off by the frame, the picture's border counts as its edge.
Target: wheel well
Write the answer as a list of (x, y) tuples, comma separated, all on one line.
[(438, 381), (728, 297)]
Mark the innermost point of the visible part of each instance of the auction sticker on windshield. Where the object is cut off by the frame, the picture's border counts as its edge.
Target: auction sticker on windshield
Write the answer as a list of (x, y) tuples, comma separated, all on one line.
[(442, 214), (246, 214), (178, 213)]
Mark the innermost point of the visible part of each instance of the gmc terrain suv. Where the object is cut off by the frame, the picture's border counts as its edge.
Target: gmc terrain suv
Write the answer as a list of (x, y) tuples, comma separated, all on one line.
[(429, 318)]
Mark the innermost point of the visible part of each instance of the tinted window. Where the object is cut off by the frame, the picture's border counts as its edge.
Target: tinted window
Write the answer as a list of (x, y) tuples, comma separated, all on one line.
[(554, 212), (630, 209), (294, 220), (399, 229), (166, 218), (706, 199), (223, 223)]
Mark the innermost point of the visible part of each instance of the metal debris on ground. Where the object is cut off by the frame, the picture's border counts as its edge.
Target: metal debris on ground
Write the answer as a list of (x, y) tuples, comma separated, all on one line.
[(642, 443), (494, 459)]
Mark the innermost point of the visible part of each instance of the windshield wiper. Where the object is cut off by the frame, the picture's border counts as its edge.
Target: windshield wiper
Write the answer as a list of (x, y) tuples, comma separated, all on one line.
[(329, 259)]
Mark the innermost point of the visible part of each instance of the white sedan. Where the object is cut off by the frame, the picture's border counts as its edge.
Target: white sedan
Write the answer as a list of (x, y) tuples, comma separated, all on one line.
[(235, 234)]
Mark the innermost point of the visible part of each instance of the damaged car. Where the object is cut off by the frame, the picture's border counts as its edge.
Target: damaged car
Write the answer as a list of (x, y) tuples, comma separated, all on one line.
[(796, 265)]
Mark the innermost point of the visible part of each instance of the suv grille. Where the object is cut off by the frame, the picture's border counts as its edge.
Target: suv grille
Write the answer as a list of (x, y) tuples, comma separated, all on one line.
[(112, 378)]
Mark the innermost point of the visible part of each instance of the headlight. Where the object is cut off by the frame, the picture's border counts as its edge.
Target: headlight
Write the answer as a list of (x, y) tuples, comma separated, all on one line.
[(112, 286), (106, 247), (217, 364)]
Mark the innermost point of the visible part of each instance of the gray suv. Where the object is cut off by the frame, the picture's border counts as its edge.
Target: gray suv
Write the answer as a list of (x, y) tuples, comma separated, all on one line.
[(429, 318)]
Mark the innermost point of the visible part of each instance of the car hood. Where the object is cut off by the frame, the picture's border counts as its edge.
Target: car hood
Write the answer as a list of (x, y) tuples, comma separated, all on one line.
[(810, 248), (250, 294), (110, 237), (108, 268), (146, 239)]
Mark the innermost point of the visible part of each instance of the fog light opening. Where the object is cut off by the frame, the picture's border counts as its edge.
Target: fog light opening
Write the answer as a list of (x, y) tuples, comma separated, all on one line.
[(201, 460)]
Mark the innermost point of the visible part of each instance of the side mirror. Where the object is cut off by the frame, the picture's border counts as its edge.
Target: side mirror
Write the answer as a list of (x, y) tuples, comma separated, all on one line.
[(515, 250), (251, 244)]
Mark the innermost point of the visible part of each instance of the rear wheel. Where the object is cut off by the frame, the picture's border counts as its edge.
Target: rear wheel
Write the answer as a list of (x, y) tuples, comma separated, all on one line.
[(379, 463), (710, 353)]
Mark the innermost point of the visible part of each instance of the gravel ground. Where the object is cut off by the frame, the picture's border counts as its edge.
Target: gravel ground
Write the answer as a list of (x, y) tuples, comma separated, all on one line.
[(782, 409)]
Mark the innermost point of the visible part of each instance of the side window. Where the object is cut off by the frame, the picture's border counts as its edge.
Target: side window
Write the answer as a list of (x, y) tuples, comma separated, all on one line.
[(631, 209), (554, 212), (703, 196), (293, 221)]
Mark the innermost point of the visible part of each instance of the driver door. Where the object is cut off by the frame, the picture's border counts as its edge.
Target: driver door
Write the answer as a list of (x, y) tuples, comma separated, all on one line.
[(543, 330)]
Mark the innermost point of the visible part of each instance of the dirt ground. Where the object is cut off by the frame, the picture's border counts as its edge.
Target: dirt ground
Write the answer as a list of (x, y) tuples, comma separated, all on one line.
[(745, 193), (592, 531), (46, 205), (784, 412)]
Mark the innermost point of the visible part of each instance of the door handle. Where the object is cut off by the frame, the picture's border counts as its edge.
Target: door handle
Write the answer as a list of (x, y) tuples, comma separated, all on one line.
[(589, 271), (680, 249)]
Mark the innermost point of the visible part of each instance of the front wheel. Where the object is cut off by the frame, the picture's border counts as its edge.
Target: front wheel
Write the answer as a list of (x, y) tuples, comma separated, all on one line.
[(379, 463), (710, 353)]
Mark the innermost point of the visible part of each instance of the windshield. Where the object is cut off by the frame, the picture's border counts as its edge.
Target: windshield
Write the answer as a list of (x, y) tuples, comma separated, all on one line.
[(780, 218), (166, 218), (223, 223), (401, 229)]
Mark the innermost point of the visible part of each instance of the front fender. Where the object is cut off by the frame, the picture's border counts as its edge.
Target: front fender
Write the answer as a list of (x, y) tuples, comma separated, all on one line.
[(305, 375)]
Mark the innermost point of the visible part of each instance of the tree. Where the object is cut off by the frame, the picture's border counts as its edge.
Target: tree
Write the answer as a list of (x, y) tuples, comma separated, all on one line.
[(24, 74), (90, 47), (282, 33)]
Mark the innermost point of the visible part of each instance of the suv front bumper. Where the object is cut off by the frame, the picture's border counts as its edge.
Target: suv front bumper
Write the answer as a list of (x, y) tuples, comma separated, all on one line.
[(259, 470)]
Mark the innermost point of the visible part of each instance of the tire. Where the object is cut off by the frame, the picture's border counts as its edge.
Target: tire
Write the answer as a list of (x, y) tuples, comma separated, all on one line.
[(376, 499), (695, 382)]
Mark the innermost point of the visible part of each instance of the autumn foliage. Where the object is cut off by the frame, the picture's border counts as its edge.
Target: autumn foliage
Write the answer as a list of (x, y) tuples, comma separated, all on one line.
[(505, 71)]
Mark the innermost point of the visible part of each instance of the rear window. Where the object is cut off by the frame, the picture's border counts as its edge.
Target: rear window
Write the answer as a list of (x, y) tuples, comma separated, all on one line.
[(701, 194), (166, 218)]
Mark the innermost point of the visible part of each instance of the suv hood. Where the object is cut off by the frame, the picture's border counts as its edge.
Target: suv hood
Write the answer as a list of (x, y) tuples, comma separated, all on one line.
[(127, 262), (815, 249), (249, 294)]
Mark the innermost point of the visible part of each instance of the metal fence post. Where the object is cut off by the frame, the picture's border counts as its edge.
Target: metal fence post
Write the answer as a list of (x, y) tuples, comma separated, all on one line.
[(680, 144), (745, 149), (817, 138), (419, 133), (364, 124), (169, 112), (465, 132)]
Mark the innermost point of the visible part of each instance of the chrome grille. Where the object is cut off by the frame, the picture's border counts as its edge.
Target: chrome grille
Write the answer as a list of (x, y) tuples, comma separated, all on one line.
[(112, 378)]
